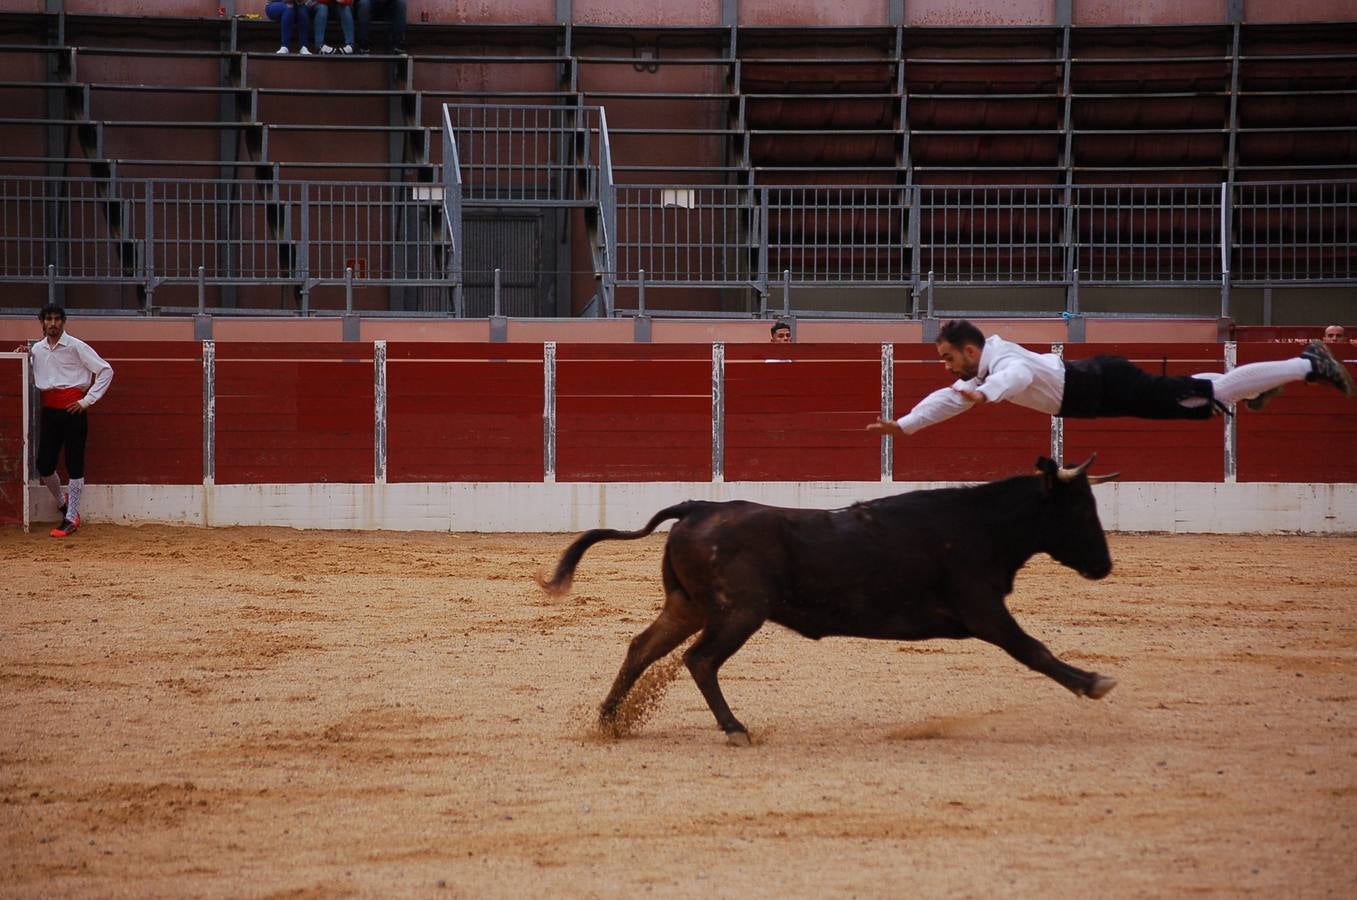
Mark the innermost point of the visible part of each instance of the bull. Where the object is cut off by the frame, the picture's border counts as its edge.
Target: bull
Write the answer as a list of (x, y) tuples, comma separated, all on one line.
[(920, 565)]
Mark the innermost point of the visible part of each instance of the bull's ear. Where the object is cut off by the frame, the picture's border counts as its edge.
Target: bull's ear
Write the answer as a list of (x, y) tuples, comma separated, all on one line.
[(1045, 466)]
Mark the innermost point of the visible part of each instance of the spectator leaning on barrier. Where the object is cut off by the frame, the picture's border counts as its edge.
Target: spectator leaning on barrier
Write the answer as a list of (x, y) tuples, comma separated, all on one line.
[(71, 378), (993, 369), (781, 333)]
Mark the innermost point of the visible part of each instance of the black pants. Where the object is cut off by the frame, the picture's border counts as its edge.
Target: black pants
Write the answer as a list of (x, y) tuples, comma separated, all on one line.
[(1108, 386), (58, 429)]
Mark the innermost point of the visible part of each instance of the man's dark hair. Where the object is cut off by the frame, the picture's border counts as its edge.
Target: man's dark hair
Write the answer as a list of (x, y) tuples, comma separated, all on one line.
[(779, 326), (51, 309), (959, 332)]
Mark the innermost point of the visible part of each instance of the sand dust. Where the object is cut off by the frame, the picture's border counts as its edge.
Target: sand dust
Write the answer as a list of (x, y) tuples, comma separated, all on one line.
[(258, 712)]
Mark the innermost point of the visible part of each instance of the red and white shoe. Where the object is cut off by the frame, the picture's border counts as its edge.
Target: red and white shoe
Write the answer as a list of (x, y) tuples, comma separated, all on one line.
[(67, 527)]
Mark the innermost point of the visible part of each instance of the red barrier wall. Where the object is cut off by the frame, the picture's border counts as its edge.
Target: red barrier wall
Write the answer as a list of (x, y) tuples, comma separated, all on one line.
[(1150, 450), (633, 412), (797, 412), (294, 413), (464, 412), (12, 465), (1309, 433), (148, 428), (980, 444)]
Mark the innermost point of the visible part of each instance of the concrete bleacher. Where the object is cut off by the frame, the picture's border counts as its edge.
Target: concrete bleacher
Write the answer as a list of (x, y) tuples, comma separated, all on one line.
[(109, 96)]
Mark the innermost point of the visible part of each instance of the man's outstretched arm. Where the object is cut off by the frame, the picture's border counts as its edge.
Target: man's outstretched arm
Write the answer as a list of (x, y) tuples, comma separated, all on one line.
[(942, 404)]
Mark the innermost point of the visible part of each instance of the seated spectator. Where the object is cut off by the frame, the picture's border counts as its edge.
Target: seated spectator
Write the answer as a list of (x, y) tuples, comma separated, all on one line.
[(1334, 334), (322, 15), (294, 20), (395, 22)]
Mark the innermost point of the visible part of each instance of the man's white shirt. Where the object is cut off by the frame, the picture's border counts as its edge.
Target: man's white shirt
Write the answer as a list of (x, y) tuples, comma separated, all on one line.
[(72, 363), (1008, 371)]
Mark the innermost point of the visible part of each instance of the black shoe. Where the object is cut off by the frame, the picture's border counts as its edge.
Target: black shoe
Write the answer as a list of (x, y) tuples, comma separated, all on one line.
[(1257, 403), (400, 51), (1326, 367), (363, 51)]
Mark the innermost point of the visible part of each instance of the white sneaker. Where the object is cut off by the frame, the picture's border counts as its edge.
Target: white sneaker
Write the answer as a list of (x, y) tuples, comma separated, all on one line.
[(304, 51), (281, 51), (347, 50), (326, 50)]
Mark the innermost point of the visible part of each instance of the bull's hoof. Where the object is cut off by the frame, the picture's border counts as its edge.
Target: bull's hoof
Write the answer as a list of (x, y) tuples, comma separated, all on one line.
[(737, 738), (1102, 686)]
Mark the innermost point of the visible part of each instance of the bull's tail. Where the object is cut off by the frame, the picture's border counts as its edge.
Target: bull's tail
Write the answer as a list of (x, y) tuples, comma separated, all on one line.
[(561, 579)]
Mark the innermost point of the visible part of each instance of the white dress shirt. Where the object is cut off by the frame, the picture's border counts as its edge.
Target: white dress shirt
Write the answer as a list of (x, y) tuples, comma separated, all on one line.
[(72, 363), (1007, 371)]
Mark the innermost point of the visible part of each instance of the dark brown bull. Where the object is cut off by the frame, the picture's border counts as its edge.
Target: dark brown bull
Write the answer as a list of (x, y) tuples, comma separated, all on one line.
[(926, 564)]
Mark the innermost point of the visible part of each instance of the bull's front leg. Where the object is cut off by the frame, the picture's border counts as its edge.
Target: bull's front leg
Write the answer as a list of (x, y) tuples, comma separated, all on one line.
[(996, 625)]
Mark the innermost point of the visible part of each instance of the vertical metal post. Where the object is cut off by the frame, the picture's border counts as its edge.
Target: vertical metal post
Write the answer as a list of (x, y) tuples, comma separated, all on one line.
[(26, 389), (51, 283), (496, 293), (718, 412), (209, 414), (786, 292), (549, 412), (1231, 426), (348, 289), (1224, 249), (1074, 294), (887, 408), (379, 412), (1057, 423), (202, 290), (929, 288), (641, 293)]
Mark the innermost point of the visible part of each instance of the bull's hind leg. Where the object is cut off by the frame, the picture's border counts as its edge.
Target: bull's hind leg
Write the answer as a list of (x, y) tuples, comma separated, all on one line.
[(998, 627), (717, 643), (677, 621)]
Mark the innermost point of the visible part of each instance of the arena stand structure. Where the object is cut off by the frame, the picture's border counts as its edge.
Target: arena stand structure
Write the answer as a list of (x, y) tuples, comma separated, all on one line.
[(563, 180)]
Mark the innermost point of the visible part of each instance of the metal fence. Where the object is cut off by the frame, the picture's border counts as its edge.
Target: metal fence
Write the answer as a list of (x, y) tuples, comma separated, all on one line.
[(153, 232)]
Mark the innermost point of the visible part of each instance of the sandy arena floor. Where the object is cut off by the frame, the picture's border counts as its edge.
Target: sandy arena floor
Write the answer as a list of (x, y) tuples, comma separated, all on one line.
[(272, 713)]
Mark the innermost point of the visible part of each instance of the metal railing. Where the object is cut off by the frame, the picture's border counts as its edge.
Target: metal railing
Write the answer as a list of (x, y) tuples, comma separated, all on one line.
[(153, 232)]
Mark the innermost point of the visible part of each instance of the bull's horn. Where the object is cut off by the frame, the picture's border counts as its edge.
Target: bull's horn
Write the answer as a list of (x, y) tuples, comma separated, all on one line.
[(1068, 475), (1099, 479)]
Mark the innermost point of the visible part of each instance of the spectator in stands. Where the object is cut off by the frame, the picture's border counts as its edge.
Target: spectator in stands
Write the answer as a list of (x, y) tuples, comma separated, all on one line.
[(1334, 334), (294, 21), (322, 16), (395, 22), (782, 333), (993, 369), (71, 378)]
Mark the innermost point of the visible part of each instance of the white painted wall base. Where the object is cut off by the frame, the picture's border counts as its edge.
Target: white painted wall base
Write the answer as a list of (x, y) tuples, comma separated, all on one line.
[(1177, 507)]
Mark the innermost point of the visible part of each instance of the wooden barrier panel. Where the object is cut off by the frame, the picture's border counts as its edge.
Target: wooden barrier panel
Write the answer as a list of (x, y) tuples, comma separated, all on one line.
[(290, 413), (978, 445), (798, 412), (464, 412), (148, 428), (633, 412), (1153, 450), (1309, 433), (13, 466)]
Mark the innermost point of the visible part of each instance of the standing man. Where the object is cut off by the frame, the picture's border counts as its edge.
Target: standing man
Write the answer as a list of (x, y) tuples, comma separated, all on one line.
[(782, 333), (71, 378), (993, 369), (1334, 334)]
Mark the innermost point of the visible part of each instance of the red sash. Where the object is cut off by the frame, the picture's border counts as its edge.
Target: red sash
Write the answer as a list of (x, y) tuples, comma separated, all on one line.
[(60, 398)]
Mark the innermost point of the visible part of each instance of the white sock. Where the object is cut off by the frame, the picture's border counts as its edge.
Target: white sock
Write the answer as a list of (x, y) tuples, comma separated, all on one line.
[(1252, 379), (53, 483), (74, 488)]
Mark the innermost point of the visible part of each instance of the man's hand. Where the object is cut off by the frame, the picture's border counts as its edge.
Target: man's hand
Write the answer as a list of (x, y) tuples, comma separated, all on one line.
[(22, 348), (973, 396), (75, 408), (886, 426)]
